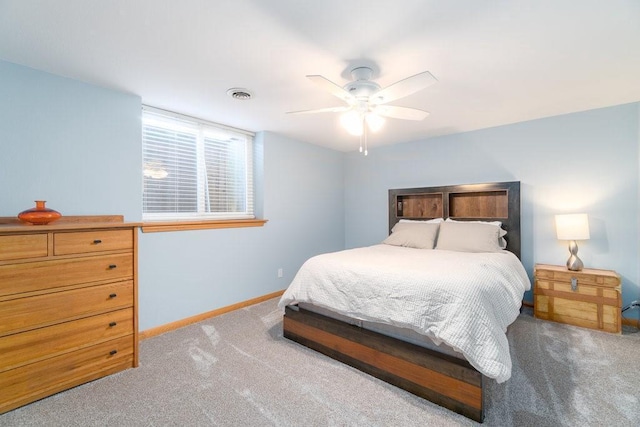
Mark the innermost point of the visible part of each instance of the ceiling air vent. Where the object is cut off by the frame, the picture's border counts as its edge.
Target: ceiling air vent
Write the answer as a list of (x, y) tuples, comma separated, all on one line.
[(239, 93)]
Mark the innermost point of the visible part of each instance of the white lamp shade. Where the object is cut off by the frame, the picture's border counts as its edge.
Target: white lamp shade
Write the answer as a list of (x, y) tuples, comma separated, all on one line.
[(572, 227)]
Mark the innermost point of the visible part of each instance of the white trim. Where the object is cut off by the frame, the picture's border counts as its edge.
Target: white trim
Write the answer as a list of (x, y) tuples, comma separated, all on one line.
[(195, 119)]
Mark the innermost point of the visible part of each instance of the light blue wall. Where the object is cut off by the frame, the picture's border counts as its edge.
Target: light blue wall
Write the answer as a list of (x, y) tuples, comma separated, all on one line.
[(582, 162), (75, 145), (186, 273), (78, 147)]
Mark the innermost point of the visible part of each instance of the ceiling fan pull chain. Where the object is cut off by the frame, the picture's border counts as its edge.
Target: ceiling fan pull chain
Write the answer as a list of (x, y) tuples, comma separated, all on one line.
[(364, 133)]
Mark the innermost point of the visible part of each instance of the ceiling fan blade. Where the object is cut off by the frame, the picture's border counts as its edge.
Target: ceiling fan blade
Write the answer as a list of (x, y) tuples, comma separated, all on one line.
[(403, 113), (332, 88), (321, 110), (403, 88)]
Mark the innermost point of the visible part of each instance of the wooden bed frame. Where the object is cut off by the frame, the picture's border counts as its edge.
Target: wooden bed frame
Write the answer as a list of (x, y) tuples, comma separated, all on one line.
[(448, 381)]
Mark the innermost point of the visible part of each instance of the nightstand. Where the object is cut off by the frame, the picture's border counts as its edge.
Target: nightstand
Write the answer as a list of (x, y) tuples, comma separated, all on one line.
[(589, 298)]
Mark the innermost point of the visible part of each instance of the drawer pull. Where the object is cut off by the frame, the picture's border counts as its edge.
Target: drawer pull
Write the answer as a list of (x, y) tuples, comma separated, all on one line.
[(574, 284), (112, 266), (112, 352), (97, 242), (113, 295), (112, 324)]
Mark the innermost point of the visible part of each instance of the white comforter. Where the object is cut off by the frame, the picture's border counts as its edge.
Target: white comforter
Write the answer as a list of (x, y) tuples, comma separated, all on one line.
[(466, 300)]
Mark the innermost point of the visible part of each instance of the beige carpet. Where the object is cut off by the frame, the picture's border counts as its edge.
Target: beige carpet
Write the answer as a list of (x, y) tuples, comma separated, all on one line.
[(237, 370)]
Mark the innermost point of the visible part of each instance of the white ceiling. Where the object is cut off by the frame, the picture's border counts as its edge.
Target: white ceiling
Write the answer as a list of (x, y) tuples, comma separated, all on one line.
[(497, 61)]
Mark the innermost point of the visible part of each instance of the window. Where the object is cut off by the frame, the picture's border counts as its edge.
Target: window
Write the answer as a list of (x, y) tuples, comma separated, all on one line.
[(194, 170)]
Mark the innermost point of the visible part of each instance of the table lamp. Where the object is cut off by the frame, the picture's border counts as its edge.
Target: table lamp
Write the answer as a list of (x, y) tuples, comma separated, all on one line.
[(573, 227)]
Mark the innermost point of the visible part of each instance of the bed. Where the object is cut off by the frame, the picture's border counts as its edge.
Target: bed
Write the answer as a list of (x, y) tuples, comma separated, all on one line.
[(426, 310)]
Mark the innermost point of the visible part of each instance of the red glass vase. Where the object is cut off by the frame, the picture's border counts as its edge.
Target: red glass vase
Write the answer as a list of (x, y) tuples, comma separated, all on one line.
[(39, 215)]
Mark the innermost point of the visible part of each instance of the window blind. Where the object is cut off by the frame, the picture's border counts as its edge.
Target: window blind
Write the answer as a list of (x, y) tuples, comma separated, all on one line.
[(194, 169)]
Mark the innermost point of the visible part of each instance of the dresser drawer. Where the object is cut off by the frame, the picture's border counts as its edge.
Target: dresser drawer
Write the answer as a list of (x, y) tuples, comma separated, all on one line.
[(42, 343), (581, 289), (22, 246), (37, 380), (35, 276), (92, 241), (606, 278), (28, 313)]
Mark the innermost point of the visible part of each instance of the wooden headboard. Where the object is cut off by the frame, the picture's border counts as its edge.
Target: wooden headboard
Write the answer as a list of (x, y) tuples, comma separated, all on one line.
[(496, 201)]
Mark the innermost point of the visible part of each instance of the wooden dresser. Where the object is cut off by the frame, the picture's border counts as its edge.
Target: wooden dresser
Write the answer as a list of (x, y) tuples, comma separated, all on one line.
[(68, 304), (589, 298)]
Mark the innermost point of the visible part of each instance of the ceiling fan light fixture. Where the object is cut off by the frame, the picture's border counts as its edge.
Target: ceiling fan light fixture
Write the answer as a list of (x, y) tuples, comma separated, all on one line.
[(374, 121), (352, 122)]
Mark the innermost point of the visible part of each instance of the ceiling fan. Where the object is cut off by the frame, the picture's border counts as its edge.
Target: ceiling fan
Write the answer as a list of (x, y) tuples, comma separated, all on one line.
[(366, 100)]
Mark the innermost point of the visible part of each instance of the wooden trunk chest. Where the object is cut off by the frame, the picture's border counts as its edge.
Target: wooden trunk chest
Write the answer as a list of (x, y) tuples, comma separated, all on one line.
[(589, 298)]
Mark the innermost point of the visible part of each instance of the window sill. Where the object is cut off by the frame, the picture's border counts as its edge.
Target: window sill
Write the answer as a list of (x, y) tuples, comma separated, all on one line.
[(155, 227)]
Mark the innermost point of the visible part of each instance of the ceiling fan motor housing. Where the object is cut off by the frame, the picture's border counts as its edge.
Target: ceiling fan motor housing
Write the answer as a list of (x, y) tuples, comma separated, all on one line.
[(361, 73), (362, 87)]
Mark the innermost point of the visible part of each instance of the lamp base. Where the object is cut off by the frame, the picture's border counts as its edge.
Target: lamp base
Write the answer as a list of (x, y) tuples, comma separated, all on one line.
[(574, 263)]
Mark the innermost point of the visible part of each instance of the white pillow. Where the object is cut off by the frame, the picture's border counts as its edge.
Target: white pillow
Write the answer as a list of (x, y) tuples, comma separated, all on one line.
[(434, 221), (502, 242), (419, 235), (468, 237)]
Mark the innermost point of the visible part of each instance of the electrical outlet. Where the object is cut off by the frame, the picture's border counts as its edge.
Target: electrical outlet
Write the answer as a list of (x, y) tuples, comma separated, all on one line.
[(633, 304), (280, 273)]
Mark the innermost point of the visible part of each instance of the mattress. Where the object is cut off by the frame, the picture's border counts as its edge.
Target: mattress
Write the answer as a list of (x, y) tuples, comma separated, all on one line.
[(464, 300)]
